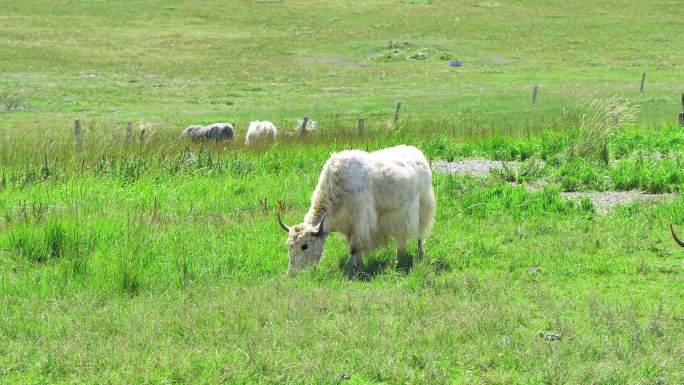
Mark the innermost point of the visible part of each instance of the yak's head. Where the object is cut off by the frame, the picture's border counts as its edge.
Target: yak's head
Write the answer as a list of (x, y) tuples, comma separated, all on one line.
[(304, 244)]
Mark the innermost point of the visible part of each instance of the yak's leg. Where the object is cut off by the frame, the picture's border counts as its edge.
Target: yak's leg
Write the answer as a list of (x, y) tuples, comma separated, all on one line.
[(421, 248), (354, 264), (401, 248), (402, 258), (356, 259)]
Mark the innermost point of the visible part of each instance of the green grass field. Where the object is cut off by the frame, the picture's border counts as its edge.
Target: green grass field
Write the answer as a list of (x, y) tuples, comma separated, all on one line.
[(162, 262)]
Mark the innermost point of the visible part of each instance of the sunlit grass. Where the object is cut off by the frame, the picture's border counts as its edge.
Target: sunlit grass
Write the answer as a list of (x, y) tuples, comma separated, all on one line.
[(162, 262)]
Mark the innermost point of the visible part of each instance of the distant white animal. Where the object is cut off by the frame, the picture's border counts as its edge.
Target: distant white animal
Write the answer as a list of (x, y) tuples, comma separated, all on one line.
[(215, 131), (369, 198), (260, 132), (311, 125)]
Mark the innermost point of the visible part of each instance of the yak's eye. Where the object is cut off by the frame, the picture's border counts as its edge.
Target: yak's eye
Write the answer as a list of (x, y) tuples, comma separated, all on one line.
[(305, 246)]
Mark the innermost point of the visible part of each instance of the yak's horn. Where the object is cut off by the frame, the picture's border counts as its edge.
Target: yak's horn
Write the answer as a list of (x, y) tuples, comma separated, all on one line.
[(679, 241), (282, 225), (321, 227)]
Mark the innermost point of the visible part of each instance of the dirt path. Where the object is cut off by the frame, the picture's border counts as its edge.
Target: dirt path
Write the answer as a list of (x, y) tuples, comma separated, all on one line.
[(475, 167), (602, 201)]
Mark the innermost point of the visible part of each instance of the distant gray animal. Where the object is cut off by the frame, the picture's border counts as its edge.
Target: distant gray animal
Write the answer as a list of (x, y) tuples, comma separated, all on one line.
[(222, 131), (192, 131), (215, 131)]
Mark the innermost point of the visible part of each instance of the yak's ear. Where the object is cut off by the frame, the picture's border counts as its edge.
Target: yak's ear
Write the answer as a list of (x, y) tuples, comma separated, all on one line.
[(320, 231)]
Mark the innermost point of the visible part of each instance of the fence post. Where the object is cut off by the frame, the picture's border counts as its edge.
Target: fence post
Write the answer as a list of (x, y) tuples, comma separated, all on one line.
[(129, 133), (361, 126), (302, 128), (681, 114), (396, 113), (535, 90), (142, 137), (643, 79), (77, 135)]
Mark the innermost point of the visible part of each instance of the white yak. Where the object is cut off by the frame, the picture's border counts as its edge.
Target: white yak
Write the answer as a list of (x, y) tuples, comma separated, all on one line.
[(370, 198), (260, 131)]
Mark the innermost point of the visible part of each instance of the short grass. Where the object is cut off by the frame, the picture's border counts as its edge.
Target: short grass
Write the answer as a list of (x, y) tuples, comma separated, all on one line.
[(162, 262), (176, 63), (168, 266)]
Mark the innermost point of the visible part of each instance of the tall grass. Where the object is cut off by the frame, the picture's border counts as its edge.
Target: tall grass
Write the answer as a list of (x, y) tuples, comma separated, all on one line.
[(601, 118)]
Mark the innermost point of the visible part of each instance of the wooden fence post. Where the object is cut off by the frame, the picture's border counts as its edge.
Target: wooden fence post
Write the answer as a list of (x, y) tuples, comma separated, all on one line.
[(535, 91), (142, 137), (643, 79), (129, 133), (681, 114), (361, 126), (77, 135), (396, 113), (302, 128)]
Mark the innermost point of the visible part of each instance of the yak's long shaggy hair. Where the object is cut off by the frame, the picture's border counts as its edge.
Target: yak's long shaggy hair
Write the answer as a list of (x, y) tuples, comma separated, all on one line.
[(374, 197)]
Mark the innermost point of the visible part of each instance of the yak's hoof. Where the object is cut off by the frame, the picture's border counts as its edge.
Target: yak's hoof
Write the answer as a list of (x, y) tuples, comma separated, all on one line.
[(404, 262), (353, 268)]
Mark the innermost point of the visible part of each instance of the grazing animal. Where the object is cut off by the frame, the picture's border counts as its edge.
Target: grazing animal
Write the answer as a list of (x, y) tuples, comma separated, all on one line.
[(676, 239), (311, 125), (215, 131), (192, 131), (260, 132), (369, 198), (221, 131)]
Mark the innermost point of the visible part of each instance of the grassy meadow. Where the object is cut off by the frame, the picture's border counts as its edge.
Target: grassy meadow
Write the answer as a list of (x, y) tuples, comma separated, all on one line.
[(162, 262)]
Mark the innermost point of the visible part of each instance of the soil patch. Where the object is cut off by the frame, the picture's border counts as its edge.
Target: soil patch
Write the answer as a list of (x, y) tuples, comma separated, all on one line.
[(475, 167), (602, 201)]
